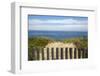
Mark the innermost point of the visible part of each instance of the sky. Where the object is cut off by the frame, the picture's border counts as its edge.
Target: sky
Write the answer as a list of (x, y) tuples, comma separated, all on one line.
[(57, 23)]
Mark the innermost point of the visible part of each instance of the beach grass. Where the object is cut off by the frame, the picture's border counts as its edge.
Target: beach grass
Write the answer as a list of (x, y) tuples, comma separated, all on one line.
[(41, 42)]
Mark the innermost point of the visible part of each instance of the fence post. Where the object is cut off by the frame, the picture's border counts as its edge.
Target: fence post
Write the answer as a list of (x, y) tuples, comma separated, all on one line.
[(63, 52), (45, 54), (72, 53), (52, 52), (34, 55), (57, 53), (42, 49), (66, 53), (76, 53), (81, 52), (86, 53), (40, 54), (50, 55)]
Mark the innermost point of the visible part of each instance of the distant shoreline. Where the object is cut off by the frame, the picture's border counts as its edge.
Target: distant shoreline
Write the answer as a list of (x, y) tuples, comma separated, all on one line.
[(57, 34), (43, 41)]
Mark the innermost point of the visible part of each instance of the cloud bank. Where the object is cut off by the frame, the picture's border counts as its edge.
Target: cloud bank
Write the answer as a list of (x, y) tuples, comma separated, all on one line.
[(70, 24)]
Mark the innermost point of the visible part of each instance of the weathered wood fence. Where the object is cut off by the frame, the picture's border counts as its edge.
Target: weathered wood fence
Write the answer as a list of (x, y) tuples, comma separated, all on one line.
[(59, 53)]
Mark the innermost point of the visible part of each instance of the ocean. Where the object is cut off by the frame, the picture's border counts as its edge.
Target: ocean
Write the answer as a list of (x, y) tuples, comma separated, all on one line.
[(57, 34)]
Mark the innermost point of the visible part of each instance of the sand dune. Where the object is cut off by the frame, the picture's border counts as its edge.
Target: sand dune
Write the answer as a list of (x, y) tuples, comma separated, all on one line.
[(60, 44)]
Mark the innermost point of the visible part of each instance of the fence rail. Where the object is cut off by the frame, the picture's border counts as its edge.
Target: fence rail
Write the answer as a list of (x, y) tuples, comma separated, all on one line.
[(59, 53)]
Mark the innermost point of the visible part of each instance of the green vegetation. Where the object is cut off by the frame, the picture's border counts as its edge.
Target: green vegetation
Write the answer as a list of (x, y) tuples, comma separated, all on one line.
[(38, 42), (79, 42)]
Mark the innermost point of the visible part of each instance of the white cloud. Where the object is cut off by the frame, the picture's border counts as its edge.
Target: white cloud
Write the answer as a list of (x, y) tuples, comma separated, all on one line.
[(59, 28), (58, 25), (63, 21)]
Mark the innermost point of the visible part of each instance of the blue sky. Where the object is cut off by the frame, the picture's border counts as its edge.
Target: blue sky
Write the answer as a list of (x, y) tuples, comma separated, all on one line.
[(57, 23)]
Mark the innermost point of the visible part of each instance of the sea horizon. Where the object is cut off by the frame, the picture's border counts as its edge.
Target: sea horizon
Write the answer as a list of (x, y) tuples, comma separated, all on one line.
[(57, 34)]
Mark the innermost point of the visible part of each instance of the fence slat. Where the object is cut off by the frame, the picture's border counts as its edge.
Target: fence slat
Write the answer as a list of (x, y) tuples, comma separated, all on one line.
[(52, 51), (70, 52), (50, 54), (57, 53), (47, 53), (66, 53), (40, 53), (79, 53), (61, 53), (86, 53), (74, 53)]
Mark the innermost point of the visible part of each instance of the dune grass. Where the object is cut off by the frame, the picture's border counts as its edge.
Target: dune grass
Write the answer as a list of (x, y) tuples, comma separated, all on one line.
[(80, 42), (38, 42)]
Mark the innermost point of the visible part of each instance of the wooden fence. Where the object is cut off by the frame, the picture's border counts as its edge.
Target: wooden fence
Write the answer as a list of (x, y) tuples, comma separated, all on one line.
[(59, 53)]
